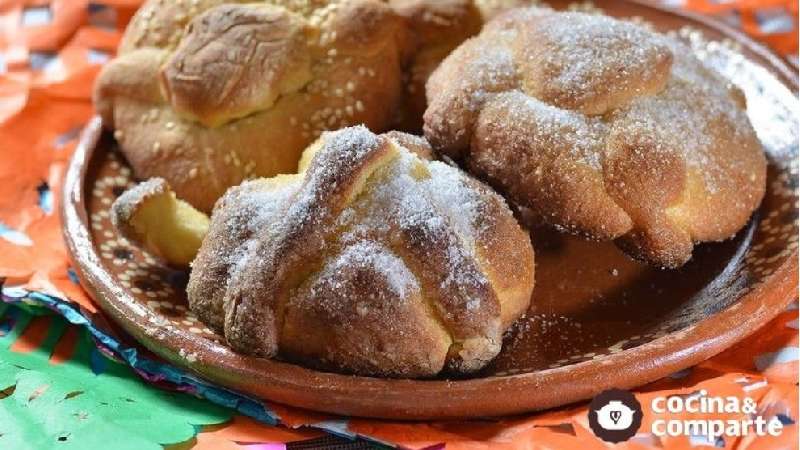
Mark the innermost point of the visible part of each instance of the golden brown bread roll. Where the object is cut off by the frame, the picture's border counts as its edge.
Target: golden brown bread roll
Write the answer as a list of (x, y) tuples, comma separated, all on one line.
[(601, 128), (375, 260), (208, 93)]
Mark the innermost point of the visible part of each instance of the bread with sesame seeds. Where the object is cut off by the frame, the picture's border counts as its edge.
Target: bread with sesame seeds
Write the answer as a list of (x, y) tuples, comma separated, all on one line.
[(601, 128), (375, 260), (208, 93)]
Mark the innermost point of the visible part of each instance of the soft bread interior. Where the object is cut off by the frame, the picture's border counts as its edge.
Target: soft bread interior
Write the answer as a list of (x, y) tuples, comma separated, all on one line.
[(167, 226)]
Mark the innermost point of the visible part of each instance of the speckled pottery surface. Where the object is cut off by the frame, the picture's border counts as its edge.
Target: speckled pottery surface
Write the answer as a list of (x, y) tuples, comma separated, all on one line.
[(597, 320)]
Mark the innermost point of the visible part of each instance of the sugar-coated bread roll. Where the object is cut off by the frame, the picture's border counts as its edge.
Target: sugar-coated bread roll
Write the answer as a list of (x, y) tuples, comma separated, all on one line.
[(208, 93), (602, 128), (374, 260)]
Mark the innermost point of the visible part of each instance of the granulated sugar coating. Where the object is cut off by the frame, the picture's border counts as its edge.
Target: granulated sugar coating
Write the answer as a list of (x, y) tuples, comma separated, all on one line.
[(375, 260), (602, 128)]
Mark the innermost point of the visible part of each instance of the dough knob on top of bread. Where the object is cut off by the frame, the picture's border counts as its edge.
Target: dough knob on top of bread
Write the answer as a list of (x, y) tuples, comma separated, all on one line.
[(213, 92), (235, 60), (602, 128), (373, 260)]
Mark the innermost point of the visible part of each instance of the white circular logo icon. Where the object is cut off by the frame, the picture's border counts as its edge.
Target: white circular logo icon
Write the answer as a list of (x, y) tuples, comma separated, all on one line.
[(615, 415)]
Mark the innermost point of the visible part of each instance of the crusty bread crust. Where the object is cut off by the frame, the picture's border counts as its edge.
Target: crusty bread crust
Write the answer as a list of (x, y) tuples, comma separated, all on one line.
[(206, 94), (376, 260), (601, 128)]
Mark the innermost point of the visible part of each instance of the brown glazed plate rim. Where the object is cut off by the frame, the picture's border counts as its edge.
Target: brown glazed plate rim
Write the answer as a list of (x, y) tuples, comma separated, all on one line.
[(431, 399)]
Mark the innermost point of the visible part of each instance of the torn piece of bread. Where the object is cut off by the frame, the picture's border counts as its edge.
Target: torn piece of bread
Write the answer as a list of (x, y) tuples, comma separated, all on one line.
[(153, 216)]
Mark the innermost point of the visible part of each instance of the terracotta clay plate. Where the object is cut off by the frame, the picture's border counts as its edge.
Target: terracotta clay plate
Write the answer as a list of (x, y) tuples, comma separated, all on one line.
[(597, 320)]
